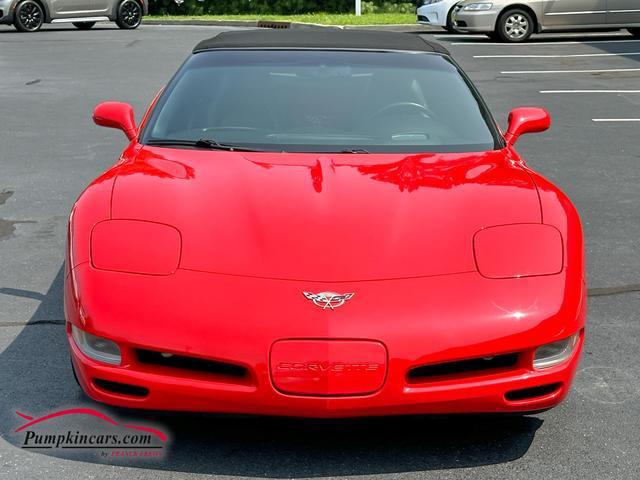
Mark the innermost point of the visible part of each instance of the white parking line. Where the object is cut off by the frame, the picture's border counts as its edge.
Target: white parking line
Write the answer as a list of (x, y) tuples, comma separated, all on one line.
[(616, 119), (589, 91), (610, 70), (541, 44), (629, 54)]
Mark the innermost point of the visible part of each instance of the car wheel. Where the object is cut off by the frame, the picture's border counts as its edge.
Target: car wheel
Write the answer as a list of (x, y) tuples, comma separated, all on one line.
[(29, 16), (450, 26), (129, 14), (515, 26), (634, 31), (83, 25)]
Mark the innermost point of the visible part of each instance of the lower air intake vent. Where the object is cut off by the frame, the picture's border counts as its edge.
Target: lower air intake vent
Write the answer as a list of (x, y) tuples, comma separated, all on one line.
[(462, 367), (533, 392), (191, 363), (120, 388)]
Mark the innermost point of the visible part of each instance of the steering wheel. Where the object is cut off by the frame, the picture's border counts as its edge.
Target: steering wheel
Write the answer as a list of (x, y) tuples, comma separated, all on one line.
[(402, 105)]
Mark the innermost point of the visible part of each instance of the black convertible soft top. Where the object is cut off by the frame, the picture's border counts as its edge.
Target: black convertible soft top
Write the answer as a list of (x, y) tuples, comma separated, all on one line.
[(329, 38)]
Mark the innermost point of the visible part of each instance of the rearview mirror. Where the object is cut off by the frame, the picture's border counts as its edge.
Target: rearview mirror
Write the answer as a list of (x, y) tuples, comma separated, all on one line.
[(116, 115), (526, 120)]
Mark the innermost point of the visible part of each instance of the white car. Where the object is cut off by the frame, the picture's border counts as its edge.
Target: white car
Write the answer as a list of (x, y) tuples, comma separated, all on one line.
[(438, 13)]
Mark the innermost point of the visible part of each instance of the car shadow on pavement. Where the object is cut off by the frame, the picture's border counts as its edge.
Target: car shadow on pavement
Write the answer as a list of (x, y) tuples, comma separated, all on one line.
[(57, 28), (626, 50), (36, 379)]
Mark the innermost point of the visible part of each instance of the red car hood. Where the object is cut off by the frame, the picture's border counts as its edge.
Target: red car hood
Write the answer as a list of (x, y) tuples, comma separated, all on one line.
[(325, 217)]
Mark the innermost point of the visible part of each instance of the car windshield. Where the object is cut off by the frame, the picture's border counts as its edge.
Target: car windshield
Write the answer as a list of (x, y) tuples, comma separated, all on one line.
[(322, 101)]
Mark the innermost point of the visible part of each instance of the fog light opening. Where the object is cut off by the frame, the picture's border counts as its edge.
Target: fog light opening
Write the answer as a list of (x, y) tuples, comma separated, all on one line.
[(533, 393), (555, 353), (120, 388), (96, 348)]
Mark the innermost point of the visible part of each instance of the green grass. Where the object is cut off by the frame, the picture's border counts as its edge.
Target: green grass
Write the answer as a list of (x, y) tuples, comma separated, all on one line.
[(319, 18)]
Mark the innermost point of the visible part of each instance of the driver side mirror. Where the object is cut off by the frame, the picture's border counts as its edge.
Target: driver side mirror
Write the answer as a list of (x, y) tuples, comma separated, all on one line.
[(116, 115), (526, 120)]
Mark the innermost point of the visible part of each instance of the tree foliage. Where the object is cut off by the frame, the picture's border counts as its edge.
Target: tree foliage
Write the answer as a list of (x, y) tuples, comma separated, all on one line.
[(272, 7)]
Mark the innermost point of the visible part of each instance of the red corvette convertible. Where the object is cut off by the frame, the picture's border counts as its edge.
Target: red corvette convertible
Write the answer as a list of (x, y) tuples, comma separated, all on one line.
[(323, 225)]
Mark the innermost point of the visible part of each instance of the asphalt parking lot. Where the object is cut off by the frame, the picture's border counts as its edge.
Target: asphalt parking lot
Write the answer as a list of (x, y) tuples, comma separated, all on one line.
[(49, 150)]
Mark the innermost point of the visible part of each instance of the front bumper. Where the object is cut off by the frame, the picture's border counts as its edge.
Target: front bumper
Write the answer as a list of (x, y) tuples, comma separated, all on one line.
[(433, 14), (480, 21), (6, 12), (238, 320)]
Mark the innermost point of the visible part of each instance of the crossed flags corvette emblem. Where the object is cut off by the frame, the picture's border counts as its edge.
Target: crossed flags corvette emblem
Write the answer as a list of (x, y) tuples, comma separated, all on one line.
[(330, 300)]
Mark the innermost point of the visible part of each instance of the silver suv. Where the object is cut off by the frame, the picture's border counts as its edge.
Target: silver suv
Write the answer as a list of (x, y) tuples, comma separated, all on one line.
[(516, 20), (30, 15)]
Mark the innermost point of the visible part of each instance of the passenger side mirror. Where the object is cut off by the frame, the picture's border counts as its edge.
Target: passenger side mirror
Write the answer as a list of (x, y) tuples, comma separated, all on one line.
[(526, 120), (116, 115)]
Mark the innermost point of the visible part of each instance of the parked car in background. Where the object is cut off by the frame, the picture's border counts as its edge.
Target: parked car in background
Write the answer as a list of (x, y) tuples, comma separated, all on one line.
[(30, 15), (515, 21), (437, 13)]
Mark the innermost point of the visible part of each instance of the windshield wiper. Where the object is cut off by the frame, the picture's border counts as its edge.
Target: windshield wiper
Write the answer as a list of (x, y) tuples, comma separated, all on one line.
[(214, 145), (211, 144), (354, 150), (202, 143)]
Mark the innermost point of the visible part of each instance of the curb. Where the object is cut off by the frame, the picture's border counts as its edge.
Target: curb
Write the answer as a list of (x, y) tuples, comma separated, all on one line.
[(407, 28)]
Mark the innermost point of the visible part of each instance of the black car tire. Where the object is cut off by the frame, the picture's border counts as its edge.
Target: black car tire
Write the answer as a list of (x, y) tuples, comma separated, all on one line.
[(28, 16), (515, 26), (83, 25), (450, 27), (129, 14)]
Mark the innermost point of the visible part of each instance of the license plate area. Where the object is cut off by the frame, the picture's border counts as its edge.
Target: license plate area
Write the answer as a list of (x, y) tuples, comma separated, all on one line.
[(328, 367)]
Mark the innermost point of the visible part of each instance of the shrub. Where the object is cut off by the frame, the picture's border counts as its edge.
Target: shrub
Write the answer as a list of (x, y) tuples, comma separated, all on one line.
[(235, 7), (388, 7), (273, 7)]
